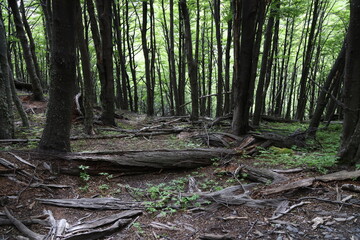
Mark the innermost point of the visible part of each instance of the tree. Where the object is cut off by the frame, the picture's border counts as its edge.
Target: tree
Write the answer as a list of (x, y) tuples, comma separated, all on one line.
[(107, 85), (30, 66), (6, 122), (192, 64), (56, 135), (350, 144), (243, 66)]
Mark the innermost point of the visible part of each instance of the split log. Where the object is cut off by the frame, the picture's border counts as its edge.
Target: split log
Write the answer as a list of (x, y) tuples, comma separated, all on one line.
[(219, 139), (351, 187), (261, 175), (141, 161), (337, 176), (93, 203)]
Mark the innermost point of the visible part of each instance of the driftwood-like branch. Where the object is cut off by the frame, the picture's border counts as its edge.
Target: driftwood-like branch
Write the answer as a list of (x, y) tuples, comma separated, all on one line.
[(22, 228), (93, 203), (142, 161), (337, 176), (219, 139), (261, 175), (351, 187)]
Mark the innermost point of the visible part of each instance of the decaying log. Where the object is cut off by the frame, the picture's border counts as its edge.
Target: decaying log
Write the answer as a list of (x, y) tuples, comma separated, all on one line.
[(261, 175), (23, 86), (351, 187), (277, 140), (216, 237), (229, 196), (93, 203), (218, 139), (141, 161), (15, 168), (22, 228), (337, 176), (14, 141), (268, 118)]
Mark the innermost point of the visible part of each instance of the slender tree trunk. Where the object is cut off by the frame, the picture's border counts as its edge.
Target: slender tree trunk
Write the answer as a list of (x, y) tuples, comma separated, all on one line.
[(228, 103), (34, 78), (192, 64), (243, 67), (107, 86), (300, 111), (220, 80), (86, 72), (56, 135), (264, 66)]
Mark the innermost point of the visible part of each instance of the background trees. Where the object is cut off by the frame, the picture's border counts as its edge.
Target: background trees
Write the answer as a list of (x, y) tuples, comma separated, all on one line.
[(252, 58)]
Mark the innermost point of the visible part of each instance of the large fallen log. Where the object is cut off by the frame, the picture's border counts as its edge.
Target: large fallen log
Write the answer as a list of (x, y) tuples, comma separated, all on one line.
[(337, 176), (141, 161)]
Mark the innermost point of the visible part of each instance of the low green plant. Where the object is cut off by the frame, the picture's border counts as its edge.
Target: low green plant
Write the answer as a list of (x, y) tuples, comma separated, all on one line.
[(138, 228), (85, 177), (104, 187)]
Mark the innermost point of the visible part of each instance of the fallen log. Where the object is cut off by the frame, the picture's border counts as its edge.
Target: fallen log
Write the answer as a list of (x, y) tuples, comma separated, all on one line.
[(261, 175), (141, 161), (93, 203), (337, 176), (218, 139)]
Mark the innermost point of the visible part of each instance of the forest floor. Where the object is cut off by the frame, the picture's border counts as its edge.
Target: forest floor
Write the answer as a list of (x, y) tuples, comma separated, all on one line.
[(171, 209)]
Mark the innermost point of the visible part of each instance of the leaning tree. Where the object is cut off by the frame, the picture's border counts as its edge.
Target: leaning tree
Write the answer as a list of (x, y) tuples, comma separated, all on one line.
[(350, 145)]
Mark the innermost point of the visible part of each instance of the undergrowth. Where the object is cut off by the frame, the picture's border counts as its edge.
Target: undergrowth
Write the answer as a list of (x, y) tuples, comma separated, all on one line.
[(320, 153)]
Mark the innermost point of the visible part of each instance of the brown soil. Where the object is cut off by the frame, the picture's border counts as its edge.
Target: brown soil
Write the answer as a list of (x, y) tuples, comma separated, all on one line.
[(338, 221)]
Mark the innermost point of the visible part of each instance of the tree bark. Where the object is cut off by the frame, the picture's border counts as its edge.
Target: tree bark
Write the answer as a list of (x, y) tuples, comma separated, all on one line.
[(243, 68), (350, 145), (220, 79), (192, 64), (107, 86), (56, 135), (86, 71), (6, 121), (34, 78)]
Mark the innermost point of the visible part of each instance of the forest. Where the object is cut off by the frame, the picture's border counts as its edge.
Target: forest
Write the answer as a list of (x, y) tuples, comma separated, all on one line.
[(185, 119)]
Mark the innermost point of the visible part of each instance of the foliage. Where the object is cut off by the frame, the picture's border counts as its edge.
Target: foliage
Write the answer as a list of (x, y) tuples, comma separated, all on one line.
[(320, 155)]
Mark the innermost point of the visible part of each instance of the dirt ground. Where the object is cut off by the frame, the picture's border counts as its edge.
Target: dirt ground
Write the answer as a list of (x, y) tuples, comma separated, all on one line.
[(319, 216)]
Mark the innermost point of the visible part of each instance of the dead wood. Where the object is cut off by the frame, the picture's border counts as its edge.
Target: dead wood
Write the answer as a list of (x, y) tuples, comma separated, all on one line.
[(351, 187), (277, 140), (229, 196), (22, 228), (209, 236), (337, 176), (15, 168), (220, 121), (15, 141), (218, 139), (261, 175), (293, 170), (268, 118), (284, 208), (22, 160), (141, 161), (23, 86), (93, 203)]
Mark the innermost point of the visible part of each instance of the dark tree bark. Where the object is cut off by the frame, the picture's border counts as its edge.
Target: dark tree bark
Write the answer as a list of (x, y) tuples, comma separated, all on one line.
[(350, 145), (334, 75), (31, 39), (227, 102), (86, 72), (149, 86), (300, 111), (220, 79), (6, 121), (243, 67), (264, 67), (56, 135), (34, 78), (107, 86), (121, 88), (192, 64)]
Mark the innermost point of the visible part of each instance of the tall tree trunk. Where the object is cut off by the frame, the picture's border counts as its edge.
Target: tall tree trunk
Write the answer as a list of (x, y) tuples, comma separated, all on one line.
[(6, 121), (56, 134), (227, 102), (107, 86), (350, 145), (149, 87), (243, 67), (220, 80), (264, 67), (86, 71), (300, 111), (122, 88), (34, 78), (192, 64)]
